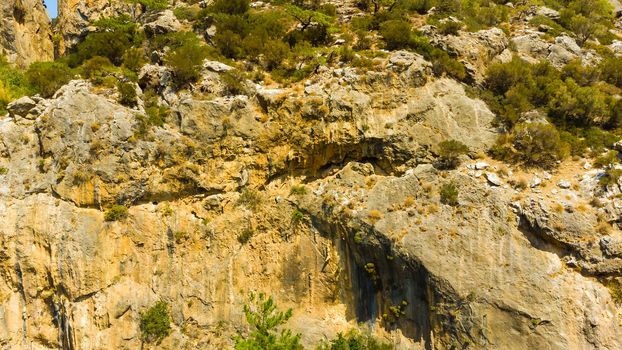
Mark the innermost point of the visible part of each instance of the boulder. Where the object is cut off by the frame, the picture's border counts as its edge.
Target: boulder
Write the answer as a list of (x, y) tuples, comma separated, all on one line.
[(22, 106), (493, 179), (154, 77), (548, 12), (166, 22)]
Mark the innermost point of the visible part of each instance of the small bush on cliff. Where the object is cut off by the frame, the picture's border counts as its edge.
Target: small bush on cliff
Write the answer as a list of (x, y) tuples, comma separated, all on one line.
[(13, 84), (449, 194), (264, 319), (116, 213), (186, 61), (155, 324), (355, 340), (127, 94), (531, 144), (47, 77), (450, 151)]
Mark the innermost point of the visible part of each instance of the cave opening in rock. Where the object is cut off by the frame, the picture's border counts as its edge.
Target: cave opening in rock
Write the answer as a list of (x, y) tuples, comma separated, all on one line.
[(52, 8)]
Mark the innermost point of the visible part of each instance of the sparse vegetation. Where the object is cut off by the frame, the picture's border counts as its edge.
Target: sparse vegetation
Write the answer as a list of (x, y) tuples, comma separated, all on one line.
[(355, 340), (449, 194), (246, 235), (266, 323), (155, 323), (250, 198), (116, 213), (450, 151)]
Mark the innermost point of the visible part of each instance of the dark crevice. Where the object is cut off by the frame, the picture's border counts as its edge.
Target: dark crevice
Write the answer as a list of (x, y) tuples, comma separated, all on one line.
[(380, 285)]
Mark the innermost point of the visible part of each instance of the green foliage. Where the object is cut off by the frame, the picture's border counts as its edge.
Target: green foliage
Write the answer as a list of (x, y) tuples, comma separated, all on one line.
[(611, 69), (13, 84), (571, 98), (186, 60), (3, 170), (151, 4), (96, 69), (397, 34), (114, 36), (606, 160), (250, 198), (127, 94), (246, 235), (611, 177), (355, 340), (297, 217), (531, 144), (449, 194), (233, 82), (156, 113), (155, 324), (450, 151), (116, 213), (47, 77), (298, 190), (186, 13), (265, 320), (587, 18), (449, 27), (230, 7)]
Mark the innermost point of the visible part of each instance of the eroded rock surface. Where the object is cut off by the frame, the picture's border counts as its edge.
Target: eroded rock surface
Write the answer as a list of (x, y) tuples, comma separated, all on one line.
[(25, 32)]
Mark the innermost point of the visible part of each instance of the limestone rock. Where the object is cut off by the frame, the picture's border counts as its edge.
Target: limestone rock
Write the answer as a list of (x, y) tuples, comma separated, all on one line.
[(75, 17), (452, 260), (165, 22), (493, 179), (476, 50), (548, 12), (25, 32), (22, 106)]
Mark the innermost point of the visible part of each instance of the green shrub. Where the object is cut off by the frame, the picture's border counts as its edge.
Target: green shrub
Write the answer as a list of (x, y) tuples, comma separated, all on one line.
[(449, 194), (186, 13), (250, 198), (450, 151), (114, 36), (246, 235), (186, 62), (134, 59), (127, 94), (449, 27), (531, 144), (231, 7), (156, 113), (48, 77), (233, 82), (611, 69), (355, 340), (155, 324), (96, 69), (608, 159), (611, 177), (266, 324), (396, 34), (151, 4), (3, 170), (116, 213), (13, 84), (298, 190)]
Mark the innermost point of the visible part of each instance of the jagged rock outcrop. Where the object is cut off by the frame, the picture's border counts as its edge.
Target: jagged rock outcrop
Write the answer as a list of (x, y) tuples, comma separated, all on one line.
[(468, 276), (25, 32), (76, 16), (69, 277)]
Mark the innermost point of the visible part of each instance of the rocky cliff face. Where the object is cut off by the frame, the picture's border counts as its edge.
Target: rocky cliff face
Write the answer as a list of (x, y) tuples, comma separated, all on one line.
[(25, 32), (323, 194), (75, 17)]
